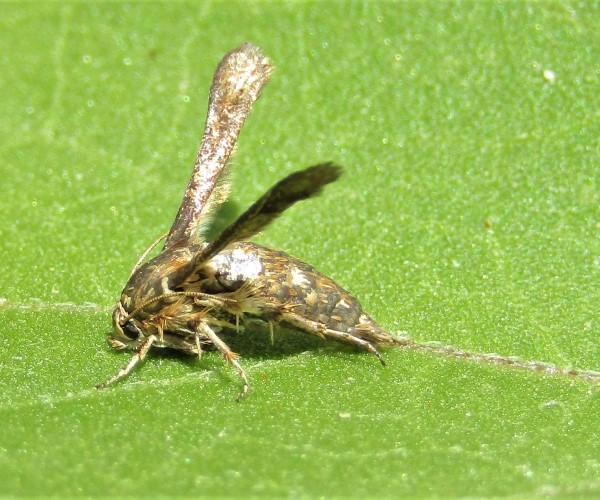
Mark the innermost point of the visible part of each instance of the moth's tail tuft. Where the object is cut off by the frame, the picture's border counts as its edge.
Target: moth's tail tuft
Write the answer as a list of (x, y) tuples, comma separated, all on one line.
[(367, 329)]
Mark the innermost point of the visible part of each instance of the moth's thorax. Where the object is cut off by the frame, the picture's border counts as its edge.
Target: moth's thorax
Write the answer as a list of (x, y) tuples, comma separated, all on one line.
[(158, 276)]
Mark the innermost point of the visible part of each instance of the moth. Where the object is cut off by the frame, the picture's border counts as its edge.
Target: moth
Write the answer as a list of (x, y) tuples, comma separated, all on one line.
[(193, 289)]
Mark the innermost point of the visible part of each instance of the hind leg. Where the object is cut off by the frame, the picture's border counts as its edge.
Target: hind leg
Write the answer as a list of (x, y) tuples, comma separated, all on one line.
[(320, 329)]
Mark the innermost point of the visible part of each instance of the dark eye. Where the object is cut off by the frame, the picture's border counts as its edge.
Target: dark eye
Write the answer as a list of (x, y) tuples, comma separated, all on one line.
[(130, 331)]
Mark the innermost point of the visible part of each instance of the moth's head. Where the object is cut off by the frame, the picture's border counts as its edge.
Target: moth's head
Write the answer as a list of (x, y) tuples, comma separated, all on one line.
[(127, 333)]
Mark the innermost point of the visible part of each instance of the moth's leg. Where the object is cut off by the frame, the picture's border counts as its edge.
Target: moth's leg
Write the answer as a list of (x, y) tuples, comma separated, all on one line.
[(320, 329), (271, 332), (227, 304), (138, 355), (228, 354), (198, 346)]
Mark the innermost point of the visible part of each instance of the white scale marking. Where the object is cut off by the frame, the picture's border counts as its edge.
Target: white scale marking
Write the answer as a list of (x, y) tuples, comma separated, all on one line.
[(298, 277), (241, 265)]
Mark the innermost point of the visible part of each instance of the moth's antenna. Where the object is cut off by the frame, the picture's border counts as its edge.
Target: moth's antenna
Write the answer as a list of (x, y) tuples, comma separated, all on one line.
[(145, 254)]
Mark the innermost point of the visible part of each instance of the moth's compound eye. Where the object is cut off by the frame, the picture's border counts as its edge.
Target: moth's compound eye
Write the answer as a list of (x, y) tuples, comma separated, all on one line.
[(130, 331)]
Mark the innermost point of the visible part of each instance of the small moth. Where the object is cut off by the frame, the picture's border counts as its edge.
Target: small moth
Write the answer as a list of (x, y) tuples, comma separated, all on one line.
[(194, 290)]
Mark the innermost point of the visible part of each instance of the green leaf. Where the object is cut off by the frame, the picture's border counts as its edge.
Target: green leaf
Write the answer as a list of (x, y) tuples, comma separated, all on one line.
[(468, 214)]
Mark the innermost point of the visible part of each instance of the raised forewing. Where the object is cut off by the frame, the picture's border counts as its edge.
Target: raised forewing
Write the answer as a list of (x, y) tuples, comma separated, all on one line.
[(295, 187), (237, 83)]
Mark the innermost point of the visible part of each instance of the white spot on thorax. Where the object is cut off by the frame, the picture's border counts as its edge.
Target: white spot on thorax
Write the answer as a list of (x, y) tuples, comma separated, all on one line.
[(238, 265)]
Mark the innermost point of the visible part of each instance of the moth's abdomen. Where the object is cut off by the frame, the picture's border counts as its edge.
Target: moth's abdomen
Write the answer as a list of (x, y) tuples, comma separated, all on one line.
[(287, 287)]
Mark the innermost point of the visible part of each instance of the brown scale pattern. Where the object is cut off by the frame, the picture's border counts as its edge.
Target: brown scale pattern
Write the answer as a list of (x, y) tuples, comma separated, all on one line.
[(292, 286)]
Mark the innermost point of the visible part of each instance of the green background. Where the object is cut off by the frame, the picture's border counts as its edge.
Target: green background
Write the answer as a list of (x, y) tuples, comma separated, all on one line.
[(468, 214)]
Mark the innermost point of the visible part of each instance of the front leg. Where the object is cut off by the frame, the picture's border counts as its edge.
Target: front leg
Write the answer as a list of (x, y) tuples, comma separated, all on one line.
[(138, 355), (228, 354)]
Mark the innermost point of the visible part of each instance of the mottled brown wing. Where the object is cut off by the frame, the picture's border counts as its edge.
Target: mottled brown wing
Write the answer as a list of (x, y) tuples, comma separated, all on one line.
[(295, 187), (237, 83)]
